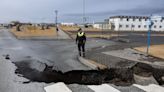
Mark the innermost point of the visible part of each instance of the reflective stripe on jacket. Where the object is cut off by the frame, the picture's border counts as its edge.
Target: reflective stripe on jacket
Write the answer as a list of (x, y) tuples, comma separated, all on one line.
[(80, 34)]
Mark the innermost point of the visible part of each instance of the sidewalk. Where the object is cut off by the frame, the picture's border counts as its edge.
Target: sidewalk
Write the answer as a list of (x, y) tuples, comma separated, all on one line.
[(62, 35), (98, 56), (126, 60), (121, 56), (10, 82)]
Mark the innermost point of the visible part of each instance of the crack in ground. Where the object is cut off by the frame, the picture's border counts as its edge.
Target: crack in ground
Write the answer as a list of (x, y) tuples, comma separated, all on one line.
[(117, 76)]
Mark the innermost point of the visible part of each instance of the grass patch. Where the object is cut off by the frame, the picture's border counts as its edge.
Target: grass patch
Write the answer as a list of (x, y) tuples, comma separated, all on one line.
[(155, 50), (32, 31)]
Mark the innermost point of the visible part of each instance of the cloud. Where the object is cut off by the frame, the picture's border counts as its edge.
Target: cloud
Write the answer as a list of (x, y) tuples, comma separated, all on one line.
[(71, 10), (133, 11)]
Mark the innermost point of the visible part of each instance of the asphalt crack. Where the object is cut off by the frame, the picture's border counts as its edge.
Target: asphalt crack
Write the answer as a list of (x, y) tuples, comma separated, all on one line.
[(118, 76)]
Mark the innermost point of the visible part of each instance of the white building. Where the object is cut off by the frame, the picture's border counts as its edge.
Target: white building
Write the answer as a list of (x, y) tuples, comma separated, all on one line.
[(68, 24), (102, 25), (136, 23)]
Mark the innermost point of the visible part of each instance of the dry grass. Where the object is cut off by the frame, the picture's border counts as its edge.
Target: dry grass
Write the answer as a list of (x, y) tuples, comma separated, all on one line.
[(75, 28), (30, 31), (155, 50), (69, 28), (91, 29)]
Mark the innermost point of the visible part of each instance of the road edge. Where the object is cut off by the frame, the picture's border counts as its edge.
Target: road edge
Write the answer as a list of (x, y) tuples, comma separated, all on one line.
[(92, 64)]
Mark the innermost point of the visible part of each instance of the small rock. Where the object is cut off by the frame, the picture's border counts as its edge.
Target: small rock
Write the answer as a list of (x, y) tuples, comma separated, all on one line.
[(163, 78), (7, 57)]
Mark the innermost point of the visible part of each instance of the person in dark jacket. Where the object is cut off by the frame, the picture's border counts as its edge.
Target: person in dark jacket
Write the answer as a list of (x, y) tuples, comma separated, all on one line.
[(80, 41)]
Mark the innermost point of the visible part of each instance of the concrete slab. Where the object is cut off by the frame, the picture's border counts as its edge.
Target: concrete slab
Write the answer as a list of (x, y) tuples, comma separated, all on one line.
[(58, 87)]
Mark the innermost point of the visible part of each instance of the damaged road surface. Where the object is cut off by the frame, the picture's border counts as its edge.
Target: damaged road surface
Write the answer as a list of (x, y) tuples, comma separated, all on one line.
[(117, 76), (61, 54), (35, 64)]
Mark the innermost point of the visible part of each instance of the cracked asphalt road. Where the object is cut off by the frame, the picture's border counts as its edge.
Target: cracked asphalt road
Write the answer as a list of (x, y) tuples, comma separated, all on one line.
[(62, 54)]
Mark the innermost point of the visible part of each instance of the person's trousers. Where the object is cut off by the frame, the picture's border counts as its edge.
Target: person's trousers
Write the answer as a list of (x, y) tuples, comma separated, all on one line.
[(81, 48)]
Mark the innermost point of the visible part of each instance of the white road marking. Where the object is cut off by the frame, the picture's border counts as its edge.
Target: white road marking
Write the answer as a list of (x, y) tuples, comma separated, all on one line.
[(103, 88), (58, 87), (150, 88)]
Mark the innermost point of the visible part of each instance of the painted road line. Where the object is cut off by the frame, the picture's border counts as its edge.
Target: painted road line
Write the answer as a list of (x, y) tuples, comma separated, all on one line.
[(103, 88), (150, 88), (58, 87)]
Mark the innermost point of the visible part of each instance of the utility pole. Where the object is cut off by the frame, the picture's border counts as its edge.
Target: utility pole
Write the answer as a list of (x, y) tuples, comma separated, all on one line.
[(150, 24), (118, 31), (56, 20), (84, 15)]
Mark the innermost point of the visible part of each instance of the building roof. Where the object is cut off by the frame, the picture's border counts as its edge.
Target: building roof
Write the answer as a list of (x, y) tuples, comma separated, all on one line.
[(105, 22), (133, 17)]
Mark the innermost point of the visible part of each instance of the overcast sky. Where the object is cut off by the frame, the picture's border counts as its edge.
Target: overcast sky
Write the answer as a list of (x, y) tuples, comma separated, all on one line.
[(71, 10)]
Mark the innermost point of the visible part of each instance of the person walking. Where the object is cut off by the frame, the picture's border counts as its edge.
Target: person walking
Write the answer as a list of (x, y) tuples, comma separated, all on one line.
[(80, 41)]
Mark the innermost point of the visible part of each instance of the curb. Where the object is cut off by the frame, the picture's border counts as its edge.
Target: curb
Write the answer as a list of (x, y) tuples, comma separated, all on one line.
[(123, 40), (67, 33), (92, 64)]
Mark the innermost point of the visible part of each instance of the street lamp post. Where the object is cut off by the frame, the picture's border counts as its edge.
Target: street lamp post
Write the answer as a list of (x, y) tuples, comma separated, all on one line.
[(84, 15), (118, 31), (56, 20), (150, 24)]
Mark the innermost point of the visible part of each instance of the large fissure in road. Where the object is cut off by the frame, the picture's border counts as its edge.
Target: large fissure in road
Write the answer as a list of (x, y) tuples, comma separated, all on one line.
[(117, 76)]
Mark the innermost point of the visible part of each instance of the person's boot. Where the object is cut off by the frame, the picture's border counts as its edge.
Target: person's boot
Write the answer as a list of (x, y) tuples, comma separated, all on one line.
[(80, 53), (83, 54)]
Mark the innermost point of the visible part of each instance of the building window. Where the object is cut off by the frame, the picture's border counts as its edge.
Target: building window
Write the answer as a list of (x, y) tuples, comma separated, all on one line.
[(160, 26), (127, 19), (145, 19), (120, 26), (139, 26), (162, 20), (155, 26), (133, 19), (139, 19), (121, 19), (145, 26), (127, 26), (133, 26), (155, 20)]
